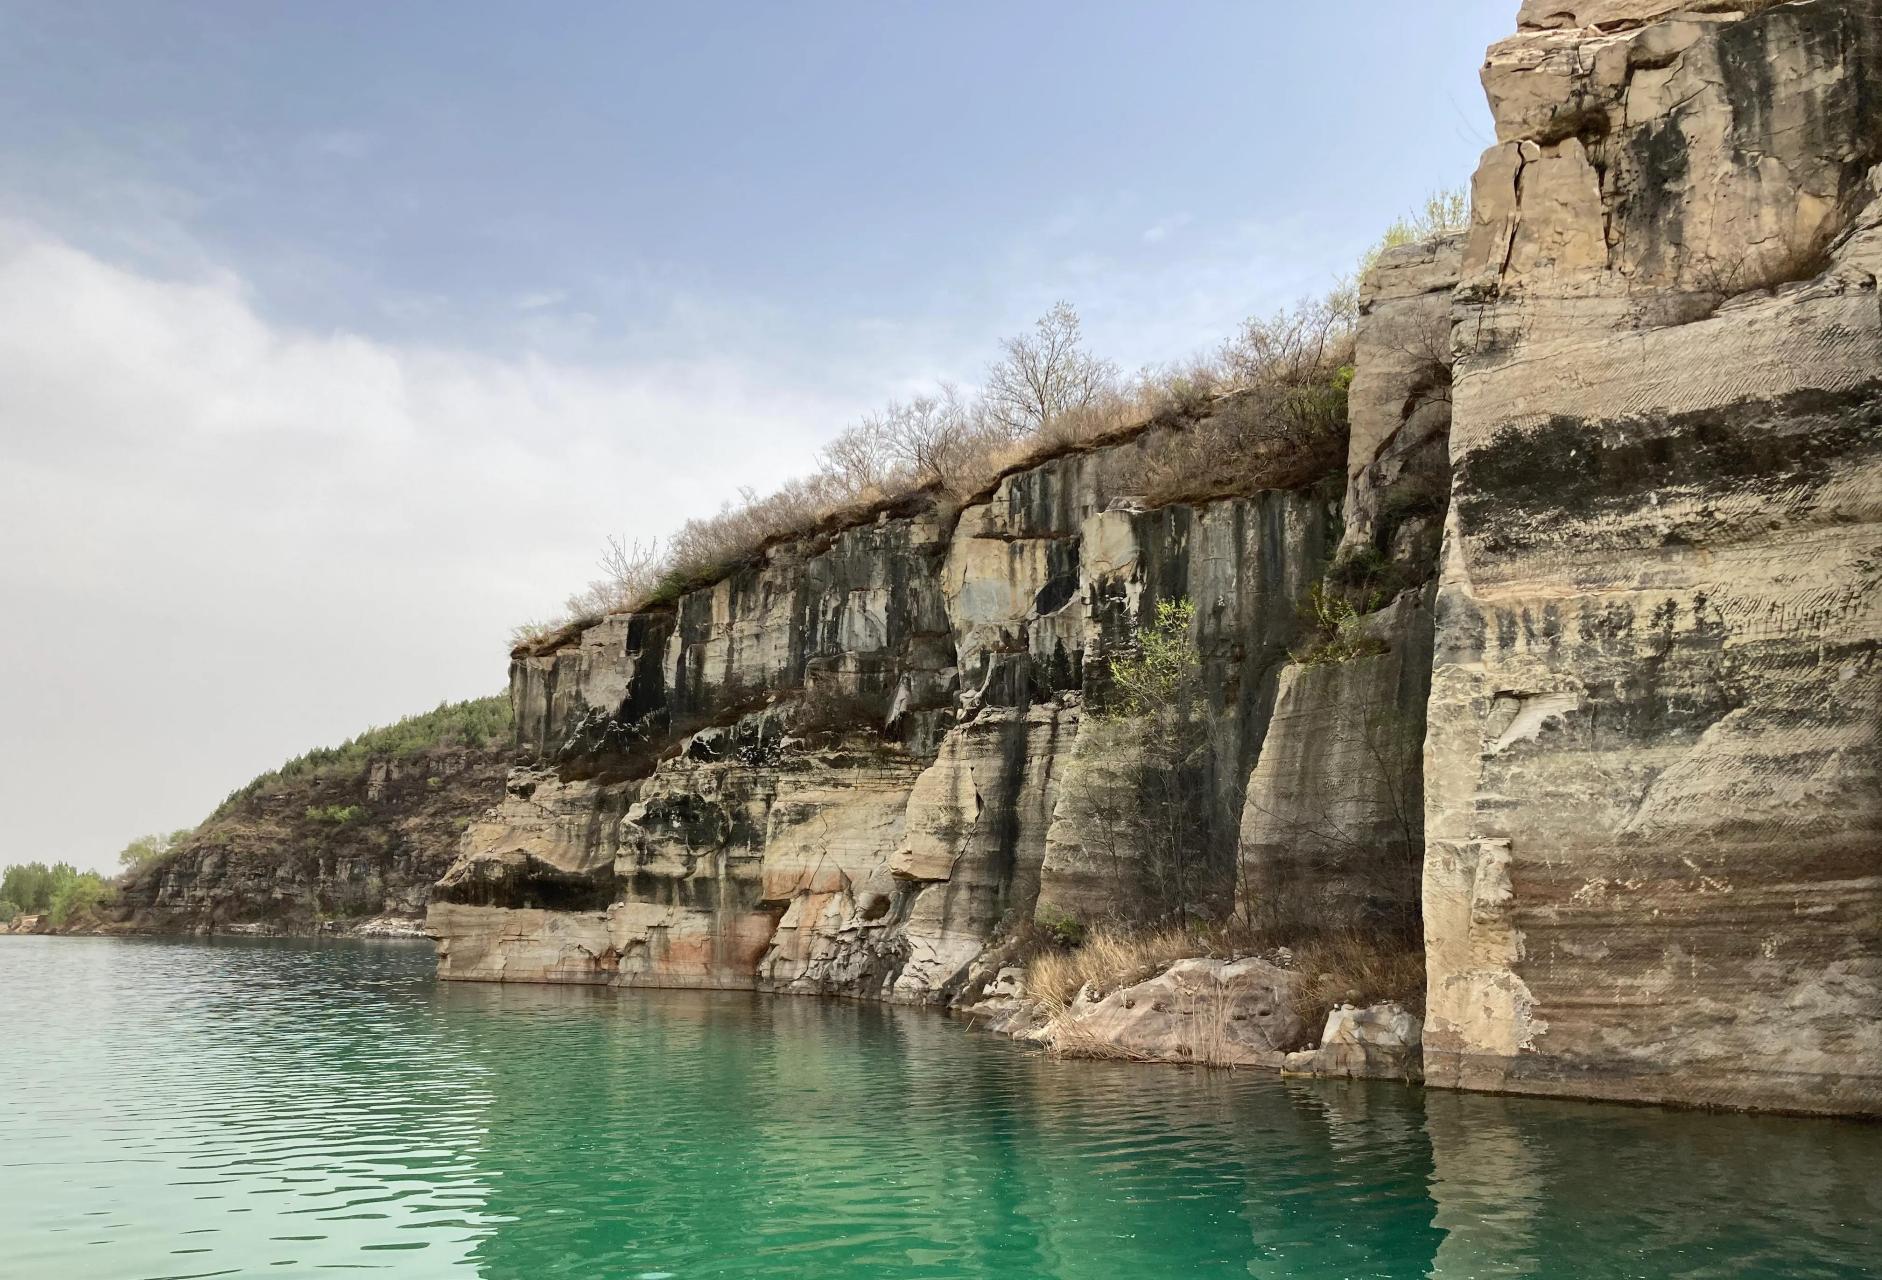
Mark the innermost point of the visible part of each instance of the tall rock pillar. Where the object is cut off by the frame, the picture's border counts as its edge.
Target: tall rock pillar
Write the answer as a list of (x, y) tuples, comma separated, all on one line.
[(1653, 781)]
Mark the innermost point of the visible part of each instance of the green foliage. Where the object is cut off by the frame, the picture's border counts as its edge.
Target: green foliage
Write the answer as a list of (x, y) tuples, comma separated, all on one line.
[(1062, 929), (1358, 567), (60, 890), (1336, 631), (1367, 579), (1444, 213), (146, 850), (335, 814), (474, 725), (1164, 670), (78, 897), (1147, 788)]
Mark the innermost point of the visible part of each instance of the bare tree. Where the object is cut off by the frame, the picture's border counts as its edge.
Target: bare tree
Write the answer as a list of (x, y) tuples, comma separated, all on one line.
[(1045, 374), (629, 573), (925, 436), (1293, 348)]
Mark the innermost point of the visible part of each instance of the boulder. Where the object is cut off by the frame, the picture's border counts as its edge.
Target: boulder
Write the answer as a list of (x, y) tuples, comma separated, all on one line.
[(1379, 1042), (1210, 1012)]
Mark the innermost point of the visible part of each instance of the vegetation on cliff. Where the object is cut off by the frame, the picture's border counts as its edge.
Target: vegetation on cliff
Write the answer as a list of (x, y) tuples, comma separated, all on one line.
[(1265, 410), (335, 834), (1147, 767), (476, 725)]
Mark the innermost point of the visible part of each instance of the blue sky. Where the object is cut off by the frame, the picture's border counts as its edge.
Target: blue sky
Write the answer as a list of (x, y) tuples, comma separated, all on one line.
[(335, 337)]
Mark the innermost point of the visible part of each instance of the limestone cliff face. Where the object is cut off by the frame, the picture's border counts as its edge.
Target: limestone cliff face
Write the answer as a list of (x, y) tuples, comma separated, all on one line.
[(843, 770), (1654, 857)]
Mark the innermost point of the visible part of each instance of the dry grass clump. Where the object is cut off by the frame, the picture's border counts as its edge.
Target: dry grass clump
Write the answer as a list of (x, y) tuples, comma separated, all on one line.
[(1113, 958), (1347, 966), (1264, 438), (1351, 967)]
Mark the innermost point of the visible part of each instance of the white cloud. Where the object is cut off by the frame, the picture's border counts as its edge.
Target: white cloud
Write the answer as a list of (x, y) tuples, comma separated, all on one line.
[(228, 540)]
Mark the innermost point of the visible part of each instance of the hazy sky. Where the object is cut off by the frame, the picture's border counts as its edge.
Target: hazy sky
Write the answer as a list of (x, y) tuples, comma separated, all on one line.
[(335, 337)]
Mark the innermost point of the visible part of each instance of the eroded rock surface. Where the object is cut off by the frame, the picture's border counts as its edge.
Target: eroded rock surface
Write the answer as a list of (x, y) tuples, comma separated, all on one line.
[(1654, 859), (843, 770), (1612, 517)]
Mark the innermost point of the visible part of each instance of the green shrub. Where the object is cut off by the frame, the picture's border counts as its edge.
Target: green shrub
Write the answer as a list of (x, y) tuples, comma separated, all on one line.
[(1162, 671), (1335, 631), (148, 850), (335, 814), (34, 885), (77, 898), (1061, 929)]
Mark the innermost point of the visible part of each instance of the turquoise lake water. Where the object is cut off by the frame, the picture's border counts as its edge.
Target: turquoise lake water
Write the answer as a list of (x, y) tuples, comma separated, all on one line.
[(279, 1109)]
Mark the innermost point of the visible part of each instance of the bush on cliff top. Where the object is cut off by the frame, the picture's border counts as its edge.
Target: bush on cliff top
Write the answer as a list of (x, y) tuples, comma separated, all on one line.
[(1266, 410), (148, 849), (474, 725)]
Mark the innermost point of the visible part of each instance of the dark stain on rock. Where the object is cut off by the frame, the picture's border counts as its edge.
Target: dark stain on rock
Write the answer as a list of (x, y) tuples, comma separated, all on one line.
[(1531, 487)]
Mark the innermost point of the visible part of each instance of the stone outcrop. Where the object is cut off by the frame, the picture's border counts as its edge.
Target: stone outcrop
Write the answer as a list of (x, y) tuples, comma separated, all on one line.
[(1654, 857), (1332, 828), (325, 850), (1222, 1013)]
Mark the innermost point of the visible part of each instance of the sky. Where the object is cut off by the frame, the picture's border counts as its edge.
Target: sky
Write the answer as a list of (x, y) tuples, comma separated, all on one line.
[(336, 338)]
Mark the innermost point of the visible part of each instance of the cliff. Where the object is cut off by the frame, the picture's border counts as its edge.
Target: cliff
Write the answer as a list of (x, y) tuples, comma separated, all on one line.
[(842, 770), (333, 839), (1570, 680), (1655, 858)]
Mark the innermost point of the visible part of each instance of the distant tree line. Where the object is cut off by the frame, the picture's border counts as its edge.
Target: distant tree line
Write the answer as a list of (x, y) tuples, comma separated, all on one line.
[(61, 891)]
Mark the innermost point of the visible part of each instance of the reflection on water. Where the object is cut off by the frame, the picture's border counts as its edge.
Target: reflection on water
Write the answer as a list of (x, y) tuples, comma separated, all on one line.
[(173, 1109)]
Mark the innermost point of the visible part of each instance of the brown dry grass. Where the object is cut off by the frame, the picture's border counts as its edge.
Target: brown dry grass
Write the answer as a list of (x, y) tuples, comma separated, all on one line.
[(1230, 440), (1350, 967), (1113, 958)]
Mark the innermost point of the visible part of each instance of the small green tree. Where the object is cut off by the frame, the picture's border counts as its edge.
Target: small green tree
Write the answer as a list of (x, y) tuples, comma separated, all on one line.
[(1144, 785), (33, 885), (145, 850), (8, 909), (78, 897), (1164, 670), (1336, 630)]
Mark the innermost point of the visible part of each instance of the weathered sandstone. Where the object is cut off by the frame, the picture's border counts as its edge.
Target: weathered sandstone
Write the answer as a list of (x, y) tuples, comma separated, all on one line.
[(1654, 858), (1207, 1012), (1380, 1042)]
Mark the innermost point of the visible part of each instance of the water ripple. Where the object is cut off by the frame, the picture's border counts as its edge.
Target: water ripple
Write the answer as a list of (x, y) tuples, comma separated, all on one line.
[(251, 1108)]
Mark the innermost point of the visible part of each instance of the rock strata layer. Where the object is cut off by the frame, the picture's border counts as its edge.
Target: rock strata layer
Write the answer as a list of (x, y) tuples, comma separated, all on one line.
[(1654, 858), (1604, 741), (846, 769)]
